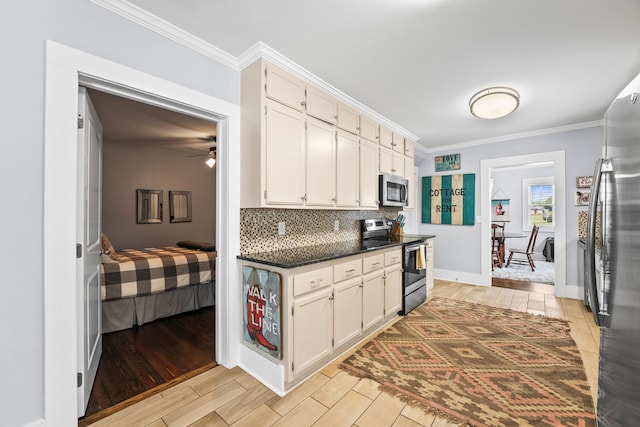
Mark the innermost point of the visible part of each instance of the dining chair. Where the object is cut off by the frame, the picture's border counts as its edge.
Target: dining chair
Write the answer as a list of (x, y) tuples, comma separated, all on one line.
[(525, 252), (497, 245)]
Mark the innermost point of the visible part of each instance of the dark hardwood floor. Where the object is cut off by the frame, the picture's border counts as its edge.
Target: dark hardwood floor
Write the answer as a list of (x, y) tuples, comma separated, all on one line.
[(143, 360), (542, 288)]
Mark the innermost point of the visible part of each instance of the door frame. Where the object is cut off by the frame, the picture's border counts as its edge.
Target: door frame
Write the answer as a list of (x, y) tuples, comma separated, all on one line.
[(65, 68), (560, 216)]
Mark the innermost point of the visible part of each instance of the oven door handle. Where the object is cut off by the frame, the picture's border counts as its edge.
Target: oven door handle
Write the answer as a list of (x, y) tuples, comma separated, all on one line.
[(411, 248)]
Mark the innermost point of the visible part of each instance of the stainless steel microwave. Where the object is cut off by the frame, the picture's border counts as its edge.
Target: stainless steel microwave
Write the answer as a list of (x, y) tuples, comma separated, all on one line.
[(394, 190)]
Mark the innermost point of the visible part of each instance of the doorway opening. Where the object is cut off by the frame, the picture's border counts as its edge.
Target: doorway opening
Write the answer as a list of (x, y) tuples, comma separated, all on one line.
[(554, 160), (154, 339), (522, 198), (66, 69)]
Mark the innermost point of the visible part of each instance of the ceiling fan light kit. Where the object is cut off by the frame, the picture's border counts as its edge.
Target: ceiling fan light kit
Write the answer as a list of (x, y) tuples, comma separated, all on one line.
[(494, 102), (211, 161)]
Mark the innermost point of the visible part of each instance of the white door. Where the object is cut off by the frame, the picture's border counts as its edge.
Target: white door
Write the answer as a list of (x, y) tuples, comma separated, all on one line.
[(88, 237)]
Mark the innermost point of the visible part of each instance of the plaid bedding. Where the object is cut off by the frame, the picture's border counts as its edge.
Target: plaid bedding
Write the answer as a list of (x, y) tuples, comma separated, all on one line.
[(153, 270)]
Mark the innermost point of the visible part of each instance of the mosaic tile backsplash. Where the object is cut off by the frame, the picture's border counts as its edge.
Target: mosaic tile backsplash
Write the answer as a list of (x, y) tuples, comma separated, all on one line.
[(259, 227)]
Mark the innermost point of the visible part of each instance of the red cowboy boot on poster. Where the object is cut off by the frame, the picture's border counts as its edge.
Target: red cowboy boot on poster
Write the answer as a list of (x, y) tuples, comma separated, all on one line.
[(255, 317)]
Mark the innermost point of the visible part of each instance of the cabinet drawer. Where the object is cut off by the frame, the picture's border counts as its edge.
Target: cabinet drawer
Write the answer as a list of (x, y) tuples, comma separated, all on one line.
[(347, 270), (372, 263), (393, 257), (312, 280)]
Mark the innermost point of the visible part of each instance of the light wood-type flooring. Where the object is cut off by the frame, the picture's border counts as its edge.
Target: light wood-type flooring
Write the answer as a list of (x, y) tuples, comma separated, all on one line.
[(231, 397)]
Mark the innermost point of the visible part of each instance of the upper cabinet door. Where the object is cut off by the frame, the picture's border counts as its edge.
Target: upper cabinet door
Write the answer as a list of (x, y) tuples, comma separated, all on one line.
[(347, 170), (409, 149), (284, 87), (321, 106), (285, 159), (347, 119), (397, 142), (368, 169), (369, 129), (386, 137), (320, 165)]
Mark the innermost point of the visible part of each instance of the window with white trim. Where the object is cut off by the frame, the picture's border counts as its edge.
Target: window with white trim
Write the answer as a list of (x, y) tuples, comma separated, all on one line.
[(538, 202)]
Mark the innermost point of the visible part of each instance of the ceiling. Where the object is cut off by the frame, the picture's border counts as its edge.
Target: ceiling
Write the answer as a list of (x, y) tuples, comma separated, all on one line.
[(417, 62), (127, 121)]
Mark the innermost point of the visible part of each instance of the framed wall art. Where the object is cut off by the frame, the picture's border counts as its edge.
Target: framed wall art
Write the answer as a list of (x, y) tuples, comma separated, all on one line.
[(500, 210), (447, 162), (583, 181), (448, 199), (582, 198)]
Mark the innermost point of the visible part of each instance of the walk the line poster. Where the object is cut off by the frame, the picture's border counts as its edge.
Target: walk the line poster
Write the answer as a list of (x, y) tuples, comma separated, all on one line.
[(262, 297)]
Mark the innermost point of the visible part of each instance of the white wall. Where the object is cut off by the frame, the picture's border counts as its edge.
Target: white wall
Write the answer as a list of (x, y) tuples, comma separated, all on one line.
[(25, 27), (129, 167), (458, 247)]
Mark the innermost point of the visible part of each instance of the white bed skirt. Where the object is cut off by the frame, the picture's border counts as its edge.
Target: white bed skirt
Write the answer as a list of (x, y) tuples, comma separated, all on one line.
[(125, 313)]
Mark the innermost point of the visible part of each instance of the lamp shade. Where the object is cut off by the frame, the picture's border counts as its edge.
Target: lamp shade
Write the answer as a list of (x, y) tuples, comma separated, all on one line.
[(494, 102), (210, 162)]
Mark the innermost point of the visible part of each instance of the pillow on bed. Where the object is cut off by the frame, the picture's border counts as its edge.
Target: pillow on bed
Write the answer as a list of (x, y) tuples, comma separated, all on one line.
[(200, 246), (108, 251)]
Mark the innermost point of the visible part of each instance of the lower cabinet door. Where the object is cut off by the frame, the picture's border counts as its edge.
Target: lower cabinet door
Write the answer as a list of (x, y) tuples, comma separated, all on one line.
[(372, 299), (347, 311), (312, 329), (393, 291)]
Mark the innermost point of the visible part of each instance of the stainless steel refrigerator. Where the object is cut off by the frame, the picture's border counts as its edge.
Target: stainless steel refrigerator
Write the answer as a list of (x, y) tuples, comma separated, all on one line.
[(613, 261)]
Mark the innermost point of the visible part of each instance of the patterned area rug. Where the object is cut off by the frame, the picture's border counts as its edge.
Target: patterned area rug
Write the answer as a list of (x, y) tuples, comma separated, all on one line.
[(480, 366)]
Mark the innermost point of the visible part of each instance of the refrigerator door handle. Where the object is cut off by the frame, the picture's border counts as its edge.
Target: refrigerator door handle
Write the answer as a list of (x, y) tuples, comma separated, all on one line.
[(602, 166)]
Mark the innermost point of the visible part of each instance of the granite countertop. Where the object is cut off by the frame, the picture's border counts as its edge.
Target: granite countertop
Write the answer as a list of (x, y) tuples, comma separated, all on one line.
[(305, 255)]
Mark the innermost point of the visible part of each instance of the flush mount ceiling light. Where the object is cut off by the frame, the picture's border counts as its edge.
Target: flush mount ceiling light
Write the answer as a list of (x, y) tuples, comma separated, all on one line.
[(494, 102)]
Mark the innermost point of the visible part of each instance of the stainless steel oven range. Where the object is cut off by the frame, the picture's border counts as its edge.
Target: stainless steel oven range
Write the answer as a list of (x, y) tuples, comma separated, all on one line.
[(376, 233)]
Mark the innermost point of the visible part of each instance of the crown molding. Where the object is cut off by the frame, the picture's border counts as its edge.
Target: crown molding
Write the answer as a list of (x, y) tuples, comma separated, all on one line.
[(168, 30), (511, 137), (261, 50)]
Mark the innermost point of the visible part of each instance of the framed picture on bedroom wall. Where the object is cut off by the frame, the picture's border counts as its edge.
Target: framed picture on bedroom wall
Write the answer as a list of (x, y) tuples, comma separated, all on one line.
[(179, 206)]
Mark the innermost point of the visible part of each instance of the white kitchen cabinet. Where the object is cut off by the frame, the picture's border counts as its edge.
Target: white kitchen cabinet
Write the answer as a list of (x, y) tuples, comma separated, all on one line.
[(409, 148), (392, 282), (372, 299), (320, 164), (348, 119), (284, 155), (369, 129), (330, 306), (347, 311), (392, 290), (368, 174), (391, 162), (347, 170), (409, 176), (321, 105), (397, 142), (284, 149), (284, 87), (386, 137), (312, 328)]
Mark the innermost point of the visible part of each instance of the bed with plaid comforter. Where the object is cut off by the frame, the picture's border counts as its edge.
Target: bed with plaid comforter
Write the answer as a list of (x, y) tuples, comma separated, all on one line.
[(148, 271)]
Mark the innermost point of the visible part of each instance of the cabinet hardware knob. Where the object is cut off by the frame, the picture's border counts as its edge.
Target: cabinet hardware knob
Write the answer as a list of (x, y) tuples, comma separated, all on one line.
[(303, 103)]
